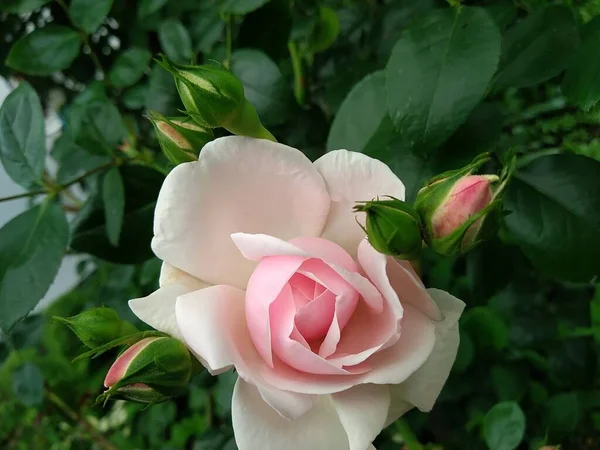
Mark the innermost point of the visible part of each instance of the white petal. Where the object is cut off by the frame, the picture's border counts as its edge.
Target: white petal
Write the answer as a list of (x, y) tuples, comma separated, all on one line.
[(213, 324), (398, 406), (258, 426), (362, 411), (171, 275), (396, 363), (238, 185), (158, 309), (289, 405), (352, 177), (424, 386)]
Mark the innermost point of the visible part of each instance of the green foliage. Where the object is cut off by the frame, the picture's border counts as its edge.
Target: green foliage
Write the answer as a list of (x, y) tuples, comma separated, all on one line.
[(421, 85)]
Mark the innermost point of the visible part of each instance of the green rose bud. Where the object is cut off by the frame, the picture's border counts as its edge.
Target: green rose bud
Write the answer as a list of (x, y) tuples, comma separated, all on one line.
[(393, 227), (214, 97), (150, 371), (180, 138), (453, 207), (98, 326)]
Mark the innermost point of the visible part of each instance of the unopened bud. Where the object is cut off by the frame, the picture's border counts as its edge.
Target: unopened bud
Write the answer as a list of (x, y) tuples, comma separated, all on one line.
[(180, 138), (453, 207), (98, 326), (150, 371), (214, 97), (393, 227)]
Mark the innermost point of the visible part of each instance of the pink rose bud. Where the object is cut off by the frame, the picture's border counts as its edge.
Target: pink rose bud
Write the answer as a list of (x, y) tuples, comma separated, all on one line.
[(150, 371), (453, 207)]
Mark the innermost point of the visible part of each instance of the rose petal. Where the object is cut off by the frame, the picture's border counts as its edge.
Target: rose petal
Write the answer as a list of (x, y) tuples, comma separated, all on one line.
[(423, 387), (288, 404), (410, 288), (398, 407), (362, 411), (213, 324), (258, 426), (352, 177), (172, 275), (396, 363), (238, 184)]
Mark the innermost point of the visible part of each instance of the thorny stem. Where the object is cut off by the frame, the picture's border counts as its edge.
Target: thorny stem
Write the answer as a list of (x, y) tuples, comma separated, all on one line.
[(80, 420), (55, 189)]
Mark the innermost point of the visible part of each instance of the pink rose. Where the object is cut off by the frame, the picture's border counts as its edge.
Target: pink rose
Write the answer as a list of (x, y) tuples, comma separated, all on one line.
[(266, 270)]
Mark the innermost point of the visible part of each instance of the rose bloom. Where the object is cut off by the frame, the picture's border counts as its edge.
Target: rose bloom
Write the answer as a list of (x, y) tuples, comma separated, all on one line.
[(266, 270)]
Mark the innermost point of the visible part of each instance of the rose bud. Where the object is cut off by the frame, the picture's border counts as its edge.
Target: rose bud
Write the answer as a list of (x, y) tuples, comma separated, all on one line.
[(180, 138), (98, 326), (453, 207), (150, 371), (393, 227), (214, 97)]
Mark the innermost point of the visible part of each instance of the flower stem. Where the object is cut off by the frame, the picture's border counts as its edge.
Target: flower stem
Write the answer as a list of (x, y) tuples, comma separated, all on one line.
[(23, 195), (299, 82), (228, 41), (102, 442)]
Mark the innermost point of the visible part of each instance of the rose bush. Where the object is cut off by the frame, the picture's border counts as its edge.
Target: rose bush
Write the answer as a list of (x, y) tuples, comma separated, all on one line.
[(266, 270)]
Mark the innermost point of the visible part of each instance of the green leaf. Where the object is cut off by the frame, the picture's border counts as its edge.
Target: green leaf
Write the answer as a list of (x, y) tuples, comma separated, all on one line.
[(175, 41), (89, 14), (141, 186), (562, 412), (487, 326), (45, 50), (162, 93), (360, 114), (22, 137), (135, 96), (96, 126), (581, 84), (241, 6), (147, 7), (28, 385), (32, 246), (538, 48), (207, 29), (554, 205), (504, 426), (113, 196), (438, 72), (325, 31), (273, 40), (503, 13), (129, 67), (264, 86), (21, 6)]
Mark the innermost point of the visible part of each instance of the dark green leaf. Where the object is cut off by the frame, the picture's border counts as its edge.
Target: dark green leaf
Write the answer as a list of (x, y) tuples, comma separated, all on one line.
[(74, 160), (141, 185), (538, 48), (581, 84), (147, 7), (563, 414), (555, 214), (325, 31), (129, 67), (273, 39), (89, 14), (113, 196), (175, 41), (264, 86), (573, 363), (97, 126), (207, 29), (21, 6), (28, 385), (241, 6), (45, 50), (22, 137), (360, 114), (135, 96), (487, 326), (504, 426), (31, 249), (438, 72), (162, 93), (502, 12)]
